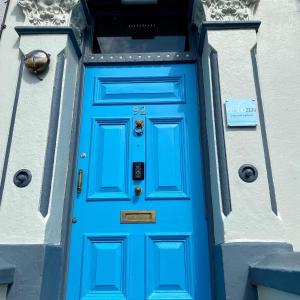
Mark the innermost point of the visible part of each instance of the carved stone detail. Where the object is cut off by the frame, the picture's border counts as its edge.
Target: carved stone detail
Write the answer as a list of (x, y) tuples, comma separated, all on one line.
[(54, 13), (78, 22), (47, 12), (224, 10)]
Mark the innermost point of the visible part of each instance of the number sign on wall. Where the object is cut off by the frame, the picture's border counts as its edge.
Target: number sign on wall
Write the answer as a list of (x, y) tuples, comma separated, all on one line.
[(241, 113)]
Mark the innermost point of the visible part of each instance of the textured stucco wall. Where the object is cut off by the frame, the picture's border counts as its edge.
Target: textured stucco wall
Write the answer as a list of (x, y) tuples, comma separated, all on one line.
[(28, 148), (265, 293), (277, 47), (251, 218), (9, 66), (278, 55), (20, 219)]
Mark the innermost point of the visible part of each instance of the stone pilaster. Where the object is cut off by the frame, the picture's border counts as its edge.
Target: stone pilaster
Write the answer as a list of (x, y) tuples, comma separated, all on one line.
[(227, 38)]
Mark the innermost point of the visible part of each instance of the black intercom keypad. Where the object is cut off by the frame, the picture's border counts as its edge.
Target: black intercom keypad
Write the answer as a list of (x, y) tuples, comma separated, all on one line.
[(138, 171)]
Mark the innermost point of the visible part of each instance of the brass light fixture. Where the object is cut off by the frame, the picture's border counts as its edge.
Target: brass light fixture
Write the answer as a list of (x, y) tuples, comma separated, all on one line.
[(37, 61)]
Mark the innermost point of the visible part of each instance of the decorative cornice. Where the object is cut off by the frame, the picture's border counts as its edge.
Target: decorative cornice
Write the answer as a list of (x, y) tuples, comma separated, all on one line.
[(48, 12), (54, 13), (223, 10)]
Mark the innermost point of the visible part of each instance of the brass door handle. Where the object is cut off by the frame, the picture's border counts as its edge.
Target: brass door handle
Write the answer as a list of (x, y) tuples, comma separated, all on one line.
[(79, 182), (138, 190)]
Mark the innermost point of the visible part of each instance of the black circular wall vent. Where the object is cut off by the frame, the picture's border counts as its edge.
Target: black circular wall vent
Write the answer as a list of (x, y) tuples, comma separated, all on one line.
[(248, 173), (22, 178)]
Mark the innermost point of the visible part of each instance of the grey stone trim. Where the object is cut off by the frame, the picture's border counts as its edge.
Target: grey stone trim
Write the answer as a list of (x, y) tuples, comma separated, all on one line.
[(229, 25), (225, 25), (220, 140), (52, 277), (279, 271), (233, 261), (86, 11), (206, 174), (139, 58), (264, 132), (7, 272), (11, 129), (52, 135), (69, 194), (30, 30), (37, 271)]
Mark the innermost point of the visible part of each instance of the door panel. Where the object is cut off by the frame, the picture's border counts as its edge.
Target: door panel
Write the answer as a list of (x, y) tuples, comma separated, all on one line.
[(168, 266), (133, 257), (128, 90), (109, 164), (166, 159), (104, 267)]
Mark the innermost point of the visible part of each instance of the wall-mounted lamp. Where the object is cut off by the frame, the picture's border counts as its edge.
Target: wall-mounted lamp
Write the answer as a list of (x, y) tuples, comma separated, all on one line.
[(37, 61)]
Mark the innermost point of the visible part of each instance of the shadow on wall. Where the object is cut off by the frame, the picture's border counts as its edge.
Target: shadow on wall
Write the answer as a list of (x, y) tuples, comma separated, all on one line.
[(17, 13), (255, 6)]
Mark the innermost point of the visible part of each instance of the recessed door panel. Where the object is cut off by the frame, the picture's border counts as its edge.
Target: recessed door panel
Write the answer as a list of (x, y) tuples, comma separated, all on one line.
[(168, 271), (104, 267), (140, 230), (166, 159), (126, 90), (109, 164)]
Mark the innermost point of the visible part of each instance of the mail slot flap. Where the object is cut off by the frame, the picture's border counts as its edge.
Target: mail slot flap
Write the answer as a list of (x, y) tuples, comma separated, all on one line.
[(138, 216)]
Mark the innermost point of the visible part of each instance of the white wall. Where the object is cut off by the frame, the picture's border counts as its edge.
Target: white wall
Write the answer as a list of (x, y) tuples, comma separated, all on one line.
[(20, 219), (9, 69), (278, 57), (251, 218), (265, 293), (278, 54), (61, 167)]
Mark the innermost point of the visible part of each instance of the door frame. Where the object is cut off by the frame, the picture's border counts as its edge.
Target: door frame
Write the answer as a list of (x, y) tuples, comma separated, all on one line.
[(89, 59)]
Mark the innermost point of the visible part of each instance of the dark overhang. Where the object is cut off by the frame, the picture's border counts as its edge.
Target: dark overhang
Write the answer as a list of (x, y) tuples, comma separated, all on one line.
[(139, 19)]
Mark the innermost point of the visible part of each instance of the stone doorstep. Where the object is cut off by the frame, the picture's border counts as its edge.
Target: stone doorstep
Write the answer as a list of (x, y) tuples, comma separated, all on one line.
[(279, 271)]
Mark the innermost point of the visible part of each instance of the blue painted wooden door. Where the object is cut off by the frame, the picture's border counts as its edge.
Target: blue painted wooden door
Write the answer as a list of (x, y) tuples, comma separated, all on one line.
[(166, 259)]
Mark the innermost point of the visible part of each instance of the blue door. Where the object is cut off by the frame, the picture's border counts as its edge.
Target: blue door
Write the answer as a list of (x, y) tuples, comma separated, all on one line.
[(140, 230)]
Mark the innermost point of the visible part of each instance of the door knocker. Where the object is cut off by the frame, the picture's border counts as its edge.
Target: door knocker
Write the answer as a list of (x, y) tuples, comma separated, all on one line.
[(139, 127)]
